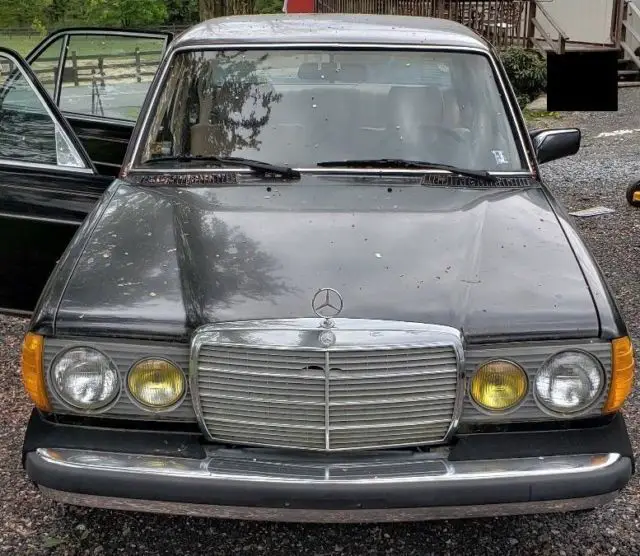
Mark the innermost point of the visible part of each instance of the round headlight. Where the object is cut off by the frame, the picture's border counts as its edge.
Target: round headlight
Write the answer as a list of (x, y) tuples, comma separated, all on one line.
[(85, 378), (156, 383), (569, 382), (498, 385)]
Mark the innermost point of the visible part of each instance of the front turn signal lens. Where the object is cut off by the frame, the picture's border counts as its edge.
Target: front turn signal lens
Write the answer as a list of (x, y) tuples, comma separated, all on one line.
[(33, 370), (498, 385), (622, 370), (156, 383)]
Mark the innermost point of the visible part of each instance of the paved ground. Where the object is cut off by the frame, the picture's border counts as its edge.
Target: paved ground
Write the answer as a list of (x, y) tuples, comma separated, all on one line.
[(598, 175)]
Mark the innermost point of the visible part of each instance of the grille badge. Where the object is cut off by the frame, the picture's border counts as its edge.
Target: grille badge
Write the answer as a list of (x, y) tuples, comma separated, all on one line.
[(327, 338)]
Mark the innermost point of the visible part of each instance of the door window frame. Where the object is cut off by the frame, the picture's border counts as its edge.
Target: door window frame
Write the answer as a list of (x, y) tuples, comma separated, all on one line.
[(23, 70), (66, 34)]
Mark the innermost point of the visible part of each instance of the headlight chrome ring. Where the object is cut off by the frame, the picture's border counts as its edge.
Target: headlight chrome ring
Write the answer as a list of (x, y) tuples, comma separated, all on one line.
[(84, 379), (568, 383)]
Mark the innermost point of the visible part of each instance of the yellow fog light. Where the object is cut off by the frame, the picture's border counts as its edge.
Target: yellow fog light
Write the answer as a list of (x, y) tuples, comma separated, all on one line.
[(498, 385), (156, 383)]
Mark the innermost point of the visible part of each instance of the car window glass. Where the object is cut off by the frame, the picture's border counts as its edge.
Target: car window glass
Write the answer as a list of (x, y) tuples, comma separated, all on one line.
[(302, 107), (45, 66), (28, 131), (109, 75)]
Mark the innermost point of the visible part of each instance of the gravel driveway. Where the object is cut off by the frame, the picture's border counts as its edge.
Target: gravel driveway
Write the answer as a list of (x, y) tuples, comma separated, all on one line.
[(598, 175)]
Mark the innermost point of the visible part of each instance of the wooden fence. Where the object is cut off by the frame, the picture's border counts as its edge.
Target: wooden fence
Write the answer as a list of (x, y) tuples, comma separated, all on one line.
[(139, 65), (502, 22)]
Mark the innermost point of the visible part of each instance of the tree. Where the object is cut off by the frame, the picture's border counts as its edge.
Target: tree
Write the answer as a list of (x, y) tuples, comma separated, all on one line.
[(234, 106), (23, 14), (182, 11), (216, 8), (127, 13), (211, 8)]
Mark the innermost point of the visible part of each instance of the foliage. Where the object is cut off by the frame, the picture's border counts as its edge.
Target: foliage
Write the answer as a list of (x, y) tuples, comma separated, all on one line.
[(527, 71), (44, 15), (127, 13), (182, 11), (215, 8), (23, 14), (268, 6)]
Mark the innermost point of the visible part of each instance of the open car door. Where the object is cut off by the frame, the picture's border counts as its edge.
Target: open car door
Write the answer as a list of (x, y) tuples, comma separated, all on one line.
[(48, 185), (99, 78)]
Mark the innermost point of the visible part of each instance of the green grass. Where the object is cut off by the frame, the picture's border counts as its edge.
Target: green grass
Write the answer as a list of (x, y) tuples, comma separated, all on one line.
[(22, 44), (541, 118), (86, 46)]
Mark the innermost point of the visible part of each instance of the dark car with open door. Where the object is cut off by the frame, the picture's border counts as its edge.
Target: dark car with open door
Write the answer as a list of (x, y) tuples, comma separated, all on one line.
[(328, 284)]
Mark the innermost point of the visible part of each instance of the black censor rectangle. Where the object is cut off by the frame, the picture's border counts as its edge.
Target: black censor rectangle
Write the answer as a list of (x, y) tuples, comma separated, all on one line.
[(582, 81)]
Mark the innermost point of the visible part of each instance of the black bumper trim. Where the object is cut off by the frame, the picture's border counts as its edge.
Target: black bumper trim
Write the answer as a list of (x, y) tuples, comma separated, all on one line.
[(610, 437), (42, 433), (240, 489)]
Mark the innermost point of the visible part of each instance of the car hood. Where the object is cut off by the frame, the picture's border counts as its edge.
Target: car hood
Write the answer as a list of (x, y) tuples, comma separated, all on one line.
[(493, 263)]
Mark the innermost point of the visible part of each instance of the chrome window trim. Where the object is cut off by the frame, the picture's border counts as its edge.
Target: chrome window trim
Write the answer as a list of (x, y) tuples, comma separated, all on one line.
[(133, 162), (41, 219), (42, 166), (438, 336)]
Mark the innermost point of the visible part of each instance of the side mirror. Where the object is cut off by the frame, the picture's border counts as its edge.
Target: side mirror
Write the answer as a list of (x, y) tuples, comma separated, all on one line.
[(551, 144)]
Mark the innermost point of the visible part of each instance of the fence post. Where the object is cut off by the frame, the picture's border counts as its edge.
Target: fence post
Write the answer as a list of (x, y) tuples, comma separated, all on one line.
[(101, 70), (93, 91), (138, 69), (531, 28), (74, 64)]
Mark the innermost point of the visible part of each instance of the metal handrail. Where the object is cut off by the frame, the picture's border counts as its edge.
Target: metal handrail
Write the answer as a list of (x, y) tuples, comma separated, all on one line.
[(562, 36), (632, 6), (627, 27)]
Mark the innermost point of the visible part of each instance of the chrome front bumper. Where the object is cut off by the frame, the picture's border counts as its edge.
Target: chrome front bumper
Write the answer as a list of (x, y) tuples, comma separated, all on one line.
[(247, 484)]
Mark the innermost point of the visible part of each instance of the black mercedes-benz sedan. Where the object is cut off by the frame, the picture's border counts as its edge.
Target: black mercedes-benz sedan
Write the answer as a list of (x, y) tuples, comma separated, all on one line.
[(328, 284)]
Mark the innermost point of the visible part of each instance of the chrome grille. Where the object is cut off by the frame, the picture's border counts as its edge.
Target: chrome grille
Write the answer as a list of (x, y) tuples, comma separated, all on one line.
[(291, 394)]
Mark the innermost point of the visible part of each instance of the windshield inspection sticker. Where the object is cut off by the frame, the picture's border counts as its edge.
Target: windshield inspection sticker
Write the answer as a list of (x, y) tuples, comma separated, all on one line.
[(500, 158)]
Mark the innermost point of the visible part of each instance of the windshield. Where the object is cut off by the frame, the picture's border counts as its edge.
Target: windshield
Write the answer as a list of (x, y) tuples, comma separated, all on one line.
[(303, 107)]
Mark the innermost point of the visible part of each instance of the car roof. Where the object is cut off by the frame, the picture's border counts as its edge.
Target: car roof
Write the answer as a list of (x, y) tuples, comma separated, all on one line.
[(352, 29)]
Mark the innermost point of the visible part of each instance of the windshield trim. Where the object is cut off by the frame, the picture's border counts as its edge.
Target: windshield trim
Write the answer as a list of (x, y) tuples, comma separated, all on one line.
[(145, 170), (132, 160)]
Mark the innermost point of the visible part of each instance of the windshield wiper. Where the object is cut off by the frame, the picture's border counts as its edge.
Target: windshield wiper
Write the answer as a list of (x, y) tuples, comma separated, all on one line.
[(257, 166), (410, 164)]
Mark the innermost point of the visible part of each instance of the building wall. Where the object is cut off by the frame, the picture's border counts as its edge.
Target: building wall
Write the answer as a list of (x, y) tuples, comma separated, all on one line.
[(581, 20)]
